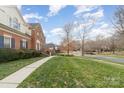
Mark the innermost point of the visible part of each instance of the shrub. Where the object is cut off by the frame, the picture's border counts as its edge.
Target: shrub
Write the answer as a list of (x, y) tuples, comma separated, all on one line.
[(14, 54), (26, 53), (8, 55), (20, 53), (70, 55)]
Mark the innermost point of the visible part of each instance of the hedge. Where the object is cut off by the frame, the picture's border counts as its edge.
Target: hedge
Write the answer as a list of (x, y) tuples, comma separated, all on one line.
[(14, 54), (70, 55)]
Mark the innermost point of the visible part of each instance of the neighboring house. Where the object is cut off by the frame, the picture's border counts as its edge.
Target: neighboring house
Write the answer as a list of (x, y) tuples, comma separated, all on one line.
[(14, 31), (51, 48), (37, 36)]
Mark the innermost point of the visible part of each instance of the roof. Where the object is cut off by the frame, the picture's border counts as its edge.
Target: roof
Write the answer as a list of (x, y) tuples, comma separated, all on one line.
[(35, 25), (12, 30), (20, 14), (50, 45)]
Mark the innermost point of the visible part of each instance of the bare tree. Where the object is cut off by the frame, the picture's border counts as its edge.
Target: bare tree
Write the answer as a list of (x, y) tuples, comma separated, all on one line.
[(119, 20), (68, 30), (84, 26), (118, 23)]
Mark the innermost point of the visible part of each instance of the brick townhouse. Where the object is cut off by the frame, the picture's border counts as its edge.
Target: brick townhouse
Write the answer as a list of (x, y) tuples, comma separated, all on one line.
[(37, 36), (16, 33)]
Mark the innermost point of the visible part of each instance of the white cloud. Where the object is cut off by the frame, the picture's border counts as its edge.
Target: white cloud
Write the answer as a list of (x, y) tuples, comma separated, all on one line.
[(54, 9), (104, 30), (55, 35), (45, 19), (28, 9), (100, 28), (84, 8), (104, 25), (32, 15), (57, 32), (36, 21), (98, 14)]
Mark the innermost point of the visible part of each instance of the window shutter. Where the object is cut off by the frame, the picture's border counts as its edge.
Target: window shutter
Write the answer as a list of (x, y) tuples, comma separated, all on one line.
[(26, 44), (1, 41), (21, 44), (12, 43)]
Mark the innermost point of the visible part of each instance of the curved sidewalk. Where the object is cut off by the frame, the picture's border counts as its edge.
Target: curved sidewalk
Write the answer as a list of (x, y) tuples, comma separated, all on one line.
[(13, 80)]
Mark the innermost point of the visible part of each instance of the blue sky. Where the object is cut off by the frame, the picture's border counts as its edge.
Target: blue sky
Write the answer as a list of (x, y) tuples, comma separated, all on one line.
[(53, 18)]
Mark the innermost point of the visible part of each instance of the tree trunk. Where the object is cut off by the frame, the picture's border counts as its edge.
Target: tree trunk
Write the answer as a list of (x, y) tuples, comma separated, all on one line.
[(68, 46), (82, 47), (68, 49), (113, 46), (113, 51)]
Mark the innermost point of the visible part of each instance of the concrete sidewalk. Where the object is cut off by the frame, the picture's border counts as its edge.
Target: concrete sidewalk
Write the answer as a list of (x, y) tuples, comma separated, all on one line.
[(13, 80)]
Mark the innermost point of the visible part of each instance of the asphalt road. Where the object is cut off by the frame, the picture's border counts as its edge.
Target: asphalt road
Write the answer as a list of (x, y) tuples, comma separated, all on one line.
[(113, 59), (102, 57)]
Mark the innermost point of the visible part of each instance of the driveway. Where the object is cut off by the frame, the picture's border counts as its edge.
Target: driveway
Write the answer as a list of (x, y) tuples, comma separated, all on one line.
[(113, 59)]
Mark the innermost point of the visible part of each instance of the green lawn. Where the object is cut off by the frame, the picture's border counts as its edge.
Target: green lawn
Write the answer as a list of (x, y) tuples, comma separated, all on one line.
[(75, 72), (7, 68)]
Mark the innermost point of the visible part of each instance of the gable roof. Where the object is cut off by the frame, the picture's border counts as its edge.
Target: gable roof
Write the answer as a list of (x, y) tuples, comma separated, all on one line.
[(50, 45), (36, 25), (20, 15), (13, 30), (18, 11)]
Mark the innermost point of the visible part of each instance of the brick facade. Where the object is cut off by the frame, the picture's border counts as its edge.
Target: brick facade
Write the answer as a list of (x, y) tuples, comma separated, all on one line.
[(16, 33), (35, 41), (17, 38), (37, 35)]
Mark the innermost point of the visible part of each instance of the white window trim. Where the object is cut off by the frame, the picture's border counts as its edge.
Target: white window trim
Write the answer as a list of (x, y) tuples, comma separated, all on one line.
[(38, 34), (24, 40), (15, 33), (8, 36), (38, 42)]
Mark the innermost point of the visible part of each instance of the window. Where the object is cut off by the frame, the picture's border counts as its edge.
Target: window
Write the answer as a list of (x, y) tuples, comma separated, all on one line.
[(10, 21), (7, 42), (38, 45), (16, 24), (23, 43), (19, 26)]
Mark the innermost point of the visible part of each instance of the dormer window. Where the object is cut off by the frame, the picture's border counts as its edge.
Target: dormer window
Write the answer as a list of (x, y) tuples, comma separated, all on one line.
[(10, 22), (16, 24)]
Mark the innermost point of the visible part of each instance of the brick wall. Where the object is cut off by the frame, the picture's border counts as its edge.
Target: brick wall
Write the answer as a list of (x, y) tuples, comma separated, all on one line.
[(36, 37), (17, 39)]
